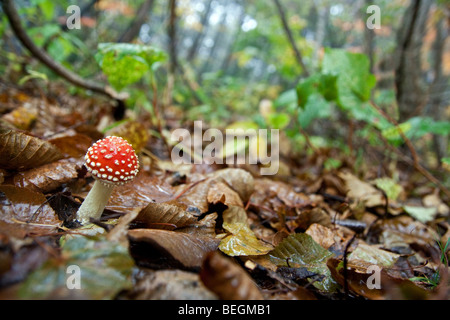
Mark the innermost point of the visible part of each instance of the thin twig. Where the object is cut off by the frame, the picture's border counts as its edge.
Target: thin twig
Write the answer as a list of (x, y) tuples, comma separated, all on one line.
[(418, 167), (188, 188), (415, 158)]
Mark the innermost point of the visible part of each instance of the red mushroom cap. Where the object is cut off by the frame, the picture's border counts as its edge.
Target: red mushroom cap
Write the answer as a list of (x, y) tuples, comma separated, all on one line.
[(112, 160)]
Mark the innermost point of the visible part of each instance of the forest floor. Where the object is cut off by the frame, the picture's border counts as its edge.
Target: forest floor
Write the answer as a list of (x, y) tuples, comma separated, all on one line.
[(206, 231)]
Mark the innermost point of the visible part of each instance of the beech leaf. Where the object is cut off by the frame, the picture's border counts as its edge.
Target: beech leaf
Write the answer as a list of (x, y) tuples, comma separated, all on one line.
[(170, 212), (20, 151), (242, 241), (228, 280), (49, 176), (26, 211), (300, 250), (187, 249)]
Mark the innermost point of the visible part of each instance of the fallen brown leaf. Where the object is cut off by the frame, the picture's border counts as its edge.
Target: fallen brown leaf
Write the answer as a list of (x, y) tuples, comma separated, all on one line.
[(228, 280), (20, 151), (165, 213), (75, 145), (49, 176), (187, 249), (25, 211)]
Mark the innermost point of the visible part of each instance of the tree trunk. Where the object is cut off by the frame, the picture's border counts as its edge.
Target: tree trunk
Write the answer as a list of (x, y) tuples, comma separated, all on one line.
[(408, 72), (321, 26), (217, 42), (439, 94), (141, 17), (199, 37), (229, 54), (369, 38)]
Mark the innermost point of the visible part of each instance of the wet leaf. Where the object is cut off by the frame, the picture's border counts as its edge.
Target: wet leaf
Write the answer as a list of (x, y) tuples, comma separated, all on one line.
[(170, 213), (25, 211), (228, 280), (21, 151), (105, 269), (188, 249), (74, 146), (144, 189), (242, 241), (49, 176), (300, 250)]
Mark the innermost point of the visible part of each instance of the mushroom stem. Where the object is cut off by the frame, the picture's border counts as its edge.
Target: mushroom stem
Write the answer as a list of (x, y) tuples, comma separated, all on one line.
[(95, 202)]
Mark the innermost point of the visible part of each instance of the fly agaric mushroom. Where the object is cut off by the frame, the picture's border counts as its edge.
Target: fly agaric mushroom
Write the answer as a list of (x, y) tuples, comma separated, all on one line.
[(111, 161)]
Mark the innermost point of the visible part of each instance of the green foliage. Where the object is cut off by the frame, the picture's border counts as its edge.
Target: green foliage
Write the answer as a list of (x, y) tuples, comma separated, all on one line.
[(345, 81), (278, 120), (415, 128), (125, 63)]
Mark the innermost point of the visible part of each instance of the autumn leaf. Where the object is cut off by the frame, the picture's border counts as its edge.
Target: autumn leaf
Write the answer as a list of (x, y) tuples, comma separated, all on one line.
[(242, 241), (26, 211), (228, 280), (21, 151), (300, 250), (165, 213), (48, 177), (187, 249)]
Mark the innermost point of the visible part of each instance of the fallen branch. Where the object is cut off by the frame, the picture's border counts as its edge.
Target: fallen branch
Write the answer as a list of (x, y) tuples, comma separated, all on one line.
[(46, 59)]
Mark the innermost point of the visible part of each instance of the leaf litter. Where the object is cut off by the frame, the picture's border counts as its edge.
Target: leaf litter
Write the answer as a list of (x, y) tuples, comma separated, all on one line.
[(206, 231)]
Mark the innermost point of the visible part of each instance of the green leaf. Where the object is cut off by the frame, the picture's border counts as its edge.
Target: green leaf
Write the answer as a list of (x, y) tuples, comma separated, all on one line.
[(415, 128), (315, 108), (105, 267), (323, 84), (278, 120), (32, 74), (390, 187), (286, 98), (126, 63), (355, 81), (300, 250)]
